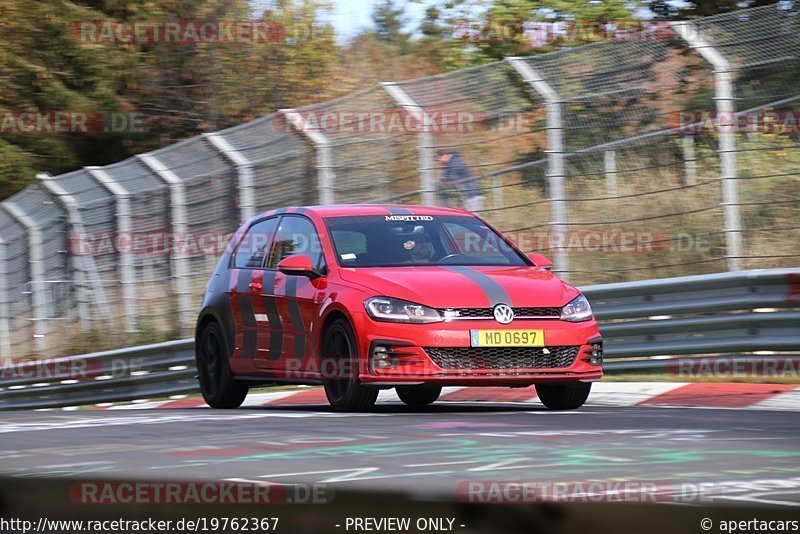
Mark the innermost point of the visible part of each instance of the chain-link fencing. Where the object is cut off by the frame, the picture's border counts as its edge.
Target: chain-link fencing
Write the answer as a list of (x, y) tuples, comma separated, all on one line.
[(761, 48), (666, 152)]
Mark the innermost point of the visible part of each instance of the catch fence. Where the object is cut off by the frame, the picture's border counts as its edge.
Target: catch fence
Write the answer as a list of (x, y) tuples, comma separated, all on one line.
[(654, 154)]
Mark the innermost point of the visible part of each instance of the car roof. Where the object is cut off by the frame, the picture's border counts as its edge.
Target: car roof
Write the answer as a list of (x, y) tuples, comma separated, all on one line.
[(342, 210)]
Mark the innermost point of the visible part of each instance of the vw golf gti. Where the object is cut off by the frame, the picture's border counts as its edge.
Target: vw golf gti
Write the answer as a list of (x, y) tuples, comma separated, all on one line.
[(363, 298)]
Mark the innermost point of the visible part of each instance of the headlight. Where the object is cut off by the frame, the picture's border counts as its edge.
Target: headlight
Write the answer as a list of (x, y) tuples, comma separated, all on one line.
[(577, 310), (400, 311)]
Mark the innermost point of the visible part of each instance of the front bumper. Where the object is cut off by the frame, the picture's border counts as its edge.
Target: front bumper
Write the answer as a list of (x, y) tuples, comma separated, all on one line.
[(412, 364)]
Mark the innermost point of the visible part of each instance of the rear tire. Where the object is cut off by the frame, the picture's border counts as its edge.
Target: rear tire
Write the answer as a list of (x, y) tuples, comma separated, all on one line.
[(219, 388), (564, 396), (418, 395), (340, 370)]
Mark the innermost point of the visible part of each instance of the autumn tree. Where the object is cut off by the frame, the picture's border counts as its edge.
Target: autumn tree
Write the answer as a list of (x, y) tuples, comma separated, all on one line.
[(174, 89)]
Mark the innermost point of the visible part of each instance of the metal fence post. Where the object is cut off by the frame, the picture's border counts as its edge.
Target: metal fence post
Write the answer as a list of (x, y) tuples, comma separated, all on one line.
[(498, 200), (5, 313), (244, 168), (726, 107), (689, 160), (77, 257), (426, 141), (124, 228), (36, 258), (610, 160), (178, 257), (324, 156), (556, 173)]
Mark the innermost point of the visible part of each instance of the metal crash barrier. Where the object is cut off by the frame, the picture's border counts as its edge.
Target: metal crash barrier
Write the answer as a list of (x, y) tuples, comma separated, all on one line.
[(751, 316)]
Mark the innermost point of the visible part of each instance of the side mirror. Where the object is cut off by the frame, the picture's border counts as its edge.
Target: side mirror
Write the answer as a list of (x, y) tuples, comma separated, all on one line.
[(298, 265), (540, 260)]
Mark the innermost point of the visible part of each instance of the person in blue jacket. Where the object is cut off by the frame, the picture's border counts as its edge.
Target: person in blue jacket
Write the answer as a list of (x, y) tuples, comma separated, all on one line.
[(456, 175)]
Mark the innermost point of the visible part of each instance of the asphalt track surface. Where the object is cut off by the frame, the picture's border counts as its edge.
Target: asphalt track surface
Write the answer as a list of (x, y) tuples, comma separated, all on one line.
[(724, 456)]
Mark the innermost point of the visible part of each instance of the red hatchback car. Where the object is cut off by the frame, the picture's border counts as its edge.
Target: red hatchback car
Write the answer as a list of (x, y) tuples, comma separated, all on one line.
[(362, 298)]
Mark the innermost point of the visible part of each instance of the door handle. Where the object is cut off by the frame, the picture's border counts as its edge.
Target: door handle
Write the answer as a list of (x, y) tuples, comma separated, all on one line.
[(255, 286)]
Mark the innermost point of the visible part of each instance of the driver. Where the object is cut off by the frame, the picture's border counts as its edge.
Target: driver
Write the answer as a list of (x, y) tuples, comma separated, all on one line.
[(419, 248)]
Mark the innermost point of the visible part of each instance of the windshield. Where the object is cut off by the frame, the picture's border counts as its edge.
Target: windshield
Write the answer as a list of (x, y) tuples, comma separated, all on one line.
[(393, 240)]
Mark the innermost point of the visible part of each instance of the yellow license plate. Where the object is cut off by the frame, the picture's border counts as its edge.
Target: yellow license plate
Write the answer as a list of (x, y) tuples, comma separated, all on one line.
[(506, 338)]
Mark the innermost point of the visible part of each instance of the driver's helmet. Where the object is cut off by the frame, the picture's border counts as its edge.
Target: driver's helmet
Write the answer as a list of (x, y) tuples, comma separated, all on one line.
[(410, 237)]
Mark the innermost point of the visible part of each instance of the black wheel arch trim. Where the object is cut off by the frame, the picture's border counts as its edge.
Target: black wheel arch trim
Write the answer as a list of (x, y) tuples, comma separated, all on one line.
[(226, 326)]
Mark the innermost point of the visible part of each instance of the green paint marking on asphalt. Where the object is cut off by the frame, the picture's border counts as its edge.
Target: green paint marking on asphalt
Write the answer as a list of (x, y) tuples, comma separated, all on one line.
[(451, 449), (65, 473)]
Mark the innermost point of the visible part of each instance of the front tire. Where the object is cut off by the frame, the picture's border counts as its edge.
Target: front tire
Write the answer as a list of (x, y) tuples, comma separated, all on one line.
[(418, 395), (219, 388), (564, 396), (340, 370)]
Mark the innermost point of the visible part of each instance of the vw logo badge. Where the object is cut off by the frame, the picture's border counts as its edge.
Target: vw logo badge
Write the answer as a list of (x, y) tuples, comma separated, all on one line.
[(503, 313)]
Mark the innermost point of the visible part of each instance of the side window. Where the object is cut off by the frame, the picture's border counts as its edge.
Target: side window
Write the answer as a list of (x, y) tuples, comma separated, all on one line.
[(470, 242), (349, 244), (296, 235), (254, 245)]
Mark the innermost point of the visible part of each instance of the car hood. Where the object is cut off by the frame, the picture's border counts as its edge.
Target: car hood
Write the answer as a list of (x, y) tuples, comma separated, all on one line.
[(464, 287)]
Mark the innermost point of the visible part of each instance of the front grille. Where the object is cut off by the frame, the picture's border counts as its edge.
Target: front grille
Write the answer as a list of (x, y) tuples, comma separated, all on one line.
[(537, 312), (501, 357), (487, 313)]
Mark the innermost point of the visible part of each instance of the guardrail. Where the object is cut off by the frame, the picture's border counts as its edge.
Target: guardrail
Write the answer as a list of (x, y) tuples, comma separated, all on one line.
[(728, 313), (645, 325), (147, 371)]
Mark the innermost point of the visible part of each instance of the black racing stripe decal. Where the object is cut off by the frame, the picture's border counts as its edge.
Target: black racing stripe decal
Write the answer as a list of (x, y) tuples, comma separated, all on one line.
[(279, 211), (243, 281), (233, 299), (398, 211), (297, 317), (249, 330), (274, 318), (494, 291), (300, 211), (299, 345)]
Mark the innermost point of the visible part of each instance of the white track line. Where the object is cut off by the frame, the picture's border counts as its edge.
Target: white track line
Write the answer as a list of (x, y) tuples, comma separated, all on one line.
[(150, 405), (788, 400), (261, 399), (620, 394), (628, 393)]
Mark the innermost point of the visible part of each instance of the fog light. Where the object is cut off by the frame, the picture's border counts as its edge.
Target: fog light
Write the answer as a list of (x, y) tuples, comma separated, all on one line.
[(451, 314), (383, 358), (597, 354)]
